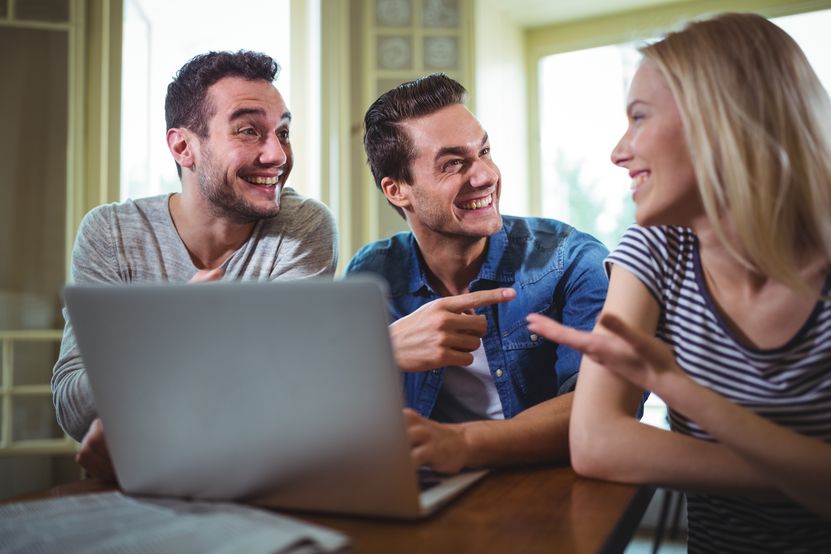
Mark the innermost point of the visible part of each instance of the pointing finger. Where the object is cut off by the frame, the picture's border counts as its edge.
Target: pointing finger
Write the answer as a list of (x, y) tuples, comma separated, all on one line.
[(472, 300)]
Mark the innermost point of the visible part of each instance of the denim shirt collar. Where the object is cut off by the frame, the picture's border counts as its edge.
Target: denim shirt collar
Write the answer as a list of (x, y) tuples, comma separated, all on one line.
[(498, 266)]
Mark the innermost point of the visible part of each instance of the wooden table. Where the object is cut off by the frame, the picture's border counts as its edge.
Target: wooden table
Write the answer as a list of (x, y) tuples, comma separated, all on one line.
[(545, 509)]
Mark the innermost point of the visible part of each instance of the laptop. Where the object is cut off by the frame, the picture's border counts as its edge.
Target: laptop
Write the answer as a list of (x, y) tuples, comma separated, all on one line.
[(285, 395)]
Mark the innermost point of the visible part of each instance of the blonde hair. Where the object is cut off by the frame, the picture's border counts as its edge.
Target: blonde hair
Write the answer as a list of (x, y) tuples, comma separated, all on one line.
[(758, 125)]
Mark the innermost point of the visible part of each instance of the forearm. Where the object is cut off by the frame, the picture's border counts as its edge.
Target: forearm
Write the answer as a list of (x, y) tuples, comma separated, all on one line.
[(625, 450), (71, 393), (798, 465), (538, 434), (607, 442), (72, 398)]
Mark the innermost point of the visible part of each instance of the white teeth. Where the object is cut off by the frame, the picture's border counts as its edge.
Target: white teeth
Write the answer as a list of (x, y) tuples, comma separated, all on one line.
[(262, 180), (478, 203), (639, 179)]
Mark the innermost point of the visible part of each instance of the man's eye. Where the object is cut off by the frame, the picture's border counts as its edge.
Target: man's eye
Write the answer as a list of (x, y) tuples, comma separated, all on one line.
[(283, 135), (453, 165), (486, 151), (250, 131)]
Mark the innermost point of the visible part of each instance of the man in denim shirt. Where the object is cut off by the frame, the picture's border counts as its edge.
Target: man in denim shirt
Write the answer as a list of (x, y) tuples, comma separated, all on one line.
[(463, 281)]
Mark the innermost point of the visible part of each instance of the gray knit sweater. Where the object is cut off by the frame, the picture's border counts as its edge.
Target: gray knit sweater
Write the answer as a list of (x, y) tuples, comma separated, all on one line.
[(136, 242)]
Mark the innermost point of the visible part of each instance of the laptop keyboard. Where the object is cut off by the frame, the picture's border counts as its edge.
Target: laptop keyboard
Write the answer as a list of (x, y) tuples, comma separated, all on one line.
[(427, 478)]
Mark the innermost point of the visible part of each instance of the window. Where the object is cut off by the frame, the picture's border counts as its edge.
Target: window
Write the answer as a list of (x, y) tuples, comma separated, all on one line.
[(582, 113), (155, 48)]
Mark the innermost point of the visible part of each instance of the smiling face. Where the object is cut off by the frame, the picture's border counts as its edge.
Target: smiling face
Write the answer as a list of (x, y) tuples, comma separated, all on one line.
[(455, 184), (655, 152), (243, 163)]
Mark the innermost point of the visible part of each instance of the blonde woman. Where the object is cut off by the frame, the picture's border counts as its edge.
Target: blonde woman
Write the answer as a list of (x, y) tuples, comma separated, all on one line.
[(720, 298)]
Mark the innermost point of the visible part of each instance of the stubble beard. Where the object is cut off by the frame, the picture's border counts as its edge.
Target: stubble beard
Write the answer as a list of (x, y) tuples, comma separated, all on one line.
[(224, 201), (443, 223)]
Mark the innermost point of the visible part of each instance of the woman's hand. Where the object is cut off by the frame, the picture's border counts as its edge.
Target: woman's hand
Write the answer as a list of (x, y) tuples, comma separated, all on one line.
[(629, 353)]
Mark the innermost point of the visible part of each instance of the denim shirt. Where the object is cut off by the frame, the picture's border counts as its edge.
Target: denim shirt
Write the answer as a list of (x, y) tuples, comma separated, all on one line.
[(555, 269)]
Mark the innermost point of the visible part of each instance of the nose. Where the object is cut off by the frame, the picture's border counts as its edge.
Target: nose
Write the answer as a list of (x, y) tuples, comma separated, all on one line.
[(484, 173), (274, 152), (621, 153)]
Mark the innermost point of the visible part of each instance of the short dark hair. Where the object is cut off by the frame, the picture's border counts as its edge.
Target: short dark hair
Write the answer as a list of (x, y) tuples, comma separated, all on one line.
[(187, 105), (389, 149)]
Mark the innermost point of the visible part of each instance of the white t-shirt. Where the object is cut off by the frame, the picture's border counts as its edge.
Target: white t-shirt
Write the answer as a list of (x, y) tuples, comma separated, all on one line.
[(468, 393)]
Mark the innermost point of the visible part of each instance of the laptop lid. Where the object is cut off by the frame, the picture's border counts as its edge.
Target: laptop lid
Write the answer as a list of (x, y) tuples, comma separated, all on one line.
[(285, 392)]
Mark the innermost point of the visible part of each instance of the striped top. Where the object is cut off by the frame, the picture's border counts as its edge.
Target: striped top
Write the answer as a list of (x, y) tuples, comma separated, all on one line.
[(790, 385)]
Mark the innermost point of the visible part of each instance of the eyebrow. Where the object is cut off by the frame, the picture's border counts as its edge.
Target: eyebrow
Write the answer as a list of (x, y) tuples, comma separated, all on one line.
[(457, 150), (242, 112), (633, 103)]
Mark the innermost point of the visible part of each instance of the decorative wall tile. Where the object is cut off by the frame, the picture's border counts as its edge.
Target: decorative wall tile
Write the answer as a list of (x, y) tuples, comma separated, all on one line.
[(393, 13), (441, 13), (441, 52), (395, 52)]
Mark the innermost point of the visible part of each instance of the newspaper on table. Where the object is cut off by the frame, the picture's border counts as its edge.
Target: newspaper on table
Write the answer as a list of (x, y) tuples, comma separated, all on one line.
[(113, 522)]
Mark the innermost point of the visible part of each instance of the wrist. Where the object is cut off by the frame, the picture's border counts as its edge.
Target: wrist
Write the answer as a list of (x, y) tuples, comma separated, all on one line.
[(673, 386), (467, 433)]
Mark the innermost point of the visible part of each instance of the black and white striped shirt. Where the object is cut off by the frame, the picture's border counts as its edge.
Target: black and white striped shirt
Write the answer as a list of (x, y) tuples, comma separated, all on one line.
[(790, 385)]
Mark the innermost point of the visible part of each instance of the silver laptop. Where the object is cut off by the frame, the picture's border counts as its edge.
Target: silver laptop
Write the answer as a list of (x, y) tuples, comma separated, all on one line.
[(281, 394)]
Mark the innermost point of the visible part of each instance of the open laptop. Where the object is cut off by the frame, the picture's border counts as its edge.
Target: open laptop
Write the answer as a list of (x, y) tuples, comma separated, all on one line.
[(281, 394)]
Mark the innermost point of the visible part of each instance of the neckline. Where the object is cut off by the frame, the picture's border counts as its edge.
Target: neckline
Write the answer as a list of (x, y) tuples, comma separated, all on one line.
[(709, 301), (183, 247)]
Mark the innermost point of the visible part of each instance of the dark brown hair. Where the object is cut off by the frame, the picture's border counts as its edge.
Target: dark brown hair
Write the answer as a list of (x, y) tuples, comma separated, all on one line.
[(389, 149), (187, 104)]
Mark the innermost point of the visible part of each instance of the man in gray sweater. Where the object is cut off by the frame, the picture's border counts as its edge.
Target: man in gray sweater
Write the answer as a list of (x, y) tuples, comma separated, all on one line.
[(228, 131)]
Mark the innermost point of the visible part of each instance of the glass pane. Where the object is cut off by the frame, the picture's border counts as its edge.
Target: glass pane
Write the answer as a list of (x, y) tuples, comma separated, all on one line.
[(583, 117), (33, 361), (810, 31), (42, 10), (33, 109), (393, 13), (441, 53), (441, 13), (34, 418), (395, 52)]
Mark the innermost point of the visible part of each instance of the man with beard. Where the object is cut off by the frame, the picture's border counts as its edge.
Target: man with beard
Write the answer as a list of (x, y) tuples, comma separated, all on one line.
[(228, 131), (462, 283)]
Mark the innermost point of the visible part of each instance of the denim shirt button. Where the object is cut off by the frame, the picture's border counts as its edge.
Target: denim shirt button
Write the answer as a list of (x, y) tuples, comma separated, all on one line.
[(534, 338), (498, 372), (434, 371)]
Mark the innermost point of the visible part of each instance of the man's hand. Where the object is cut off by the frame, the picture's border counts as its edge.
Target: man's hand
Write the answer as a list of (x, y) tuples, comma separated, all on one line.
[(440, 446), (444, 331), (94, 456)]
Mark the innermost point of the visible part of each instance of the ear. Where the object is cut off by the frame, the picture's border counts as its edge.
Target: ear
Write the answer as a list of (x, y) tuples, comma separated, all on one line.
[(397, 192), (180, 144)]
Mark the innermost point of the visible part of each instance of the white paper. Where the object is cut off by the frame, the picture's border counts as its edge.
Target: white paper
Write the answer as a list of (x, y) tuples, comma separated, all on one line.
[(113, 522)]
